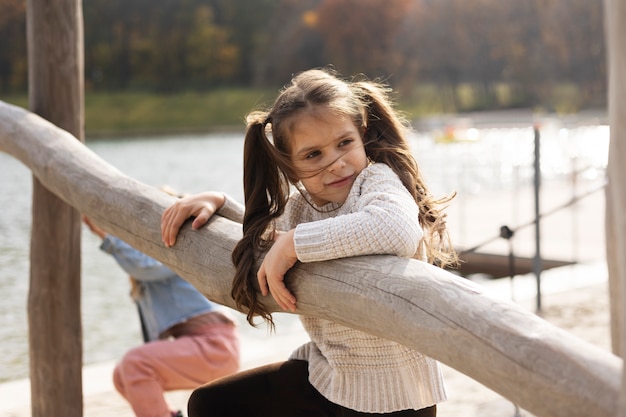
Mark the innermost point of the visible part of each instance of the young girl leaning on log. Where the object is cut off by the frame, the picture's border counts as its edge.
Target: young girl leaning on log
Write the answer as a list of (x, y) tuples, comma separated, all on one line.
[(344, 149)]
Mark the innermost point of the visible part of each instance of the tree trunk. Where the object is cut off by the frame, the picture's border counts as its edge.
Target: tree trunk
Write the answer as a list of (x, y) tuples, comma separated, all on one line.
[(55, 53)]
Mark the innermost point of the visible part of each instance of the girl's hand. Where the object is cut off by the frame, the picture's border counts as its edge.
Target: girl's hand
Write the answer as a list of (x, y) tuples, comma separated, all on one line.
[(94, 228), (201, 206), (280, 258)]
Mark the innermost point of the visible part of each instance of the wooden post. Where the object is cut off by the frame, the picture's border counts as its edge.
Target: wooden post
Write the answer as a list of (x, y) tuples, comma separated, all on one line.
[(537, 191), (615, 24), (55, 54), (536, 365)]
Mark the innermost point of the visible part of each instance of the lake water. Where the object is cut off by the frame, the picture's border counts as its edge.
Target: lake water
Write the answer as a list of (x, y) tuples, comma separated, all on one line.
[(500, 159)]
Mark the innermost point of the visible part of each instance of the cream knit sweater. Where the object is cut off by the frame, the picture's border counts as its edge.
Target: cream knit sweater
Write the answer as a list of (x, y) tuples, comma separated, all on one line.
[(349, 367)]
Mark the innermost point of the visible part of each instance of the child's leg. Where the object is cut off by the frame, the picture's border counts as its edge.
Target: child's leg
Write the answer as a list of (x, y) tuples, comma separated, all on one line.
[(277, 390), (196, 359), (147, 371), (137, 380)]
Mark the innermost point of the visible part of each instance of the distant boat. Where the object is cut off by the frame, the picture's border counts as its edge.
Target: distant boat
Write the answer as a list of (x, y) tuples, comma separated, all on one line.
[(458, 130)]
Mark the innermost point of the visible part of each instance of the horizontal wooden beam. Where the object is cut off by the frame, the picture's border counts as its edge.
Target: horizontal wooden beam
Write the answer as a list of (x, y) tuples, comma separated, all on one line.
[(534, 364)]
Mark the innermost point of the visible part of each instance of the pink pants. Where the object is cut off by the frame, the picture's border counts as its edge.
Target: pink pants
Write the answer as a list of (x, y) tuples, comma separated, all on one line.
[(147, 371)]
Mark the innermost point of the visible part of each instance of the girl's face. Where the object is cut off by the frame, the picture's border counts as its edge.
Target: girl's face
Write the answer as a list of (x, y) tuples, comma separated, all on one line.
[(328, 154)]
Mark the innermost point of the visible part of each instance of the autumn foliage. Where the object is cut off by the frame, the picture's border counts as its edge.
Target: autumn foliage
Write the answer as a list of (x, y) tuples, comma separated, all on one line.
[(173, 45)]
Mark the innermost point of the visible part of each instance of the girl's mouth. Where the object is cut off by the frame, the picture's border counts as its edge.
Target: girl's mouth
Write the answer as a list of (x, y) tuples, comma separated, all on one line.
[(341, 182)]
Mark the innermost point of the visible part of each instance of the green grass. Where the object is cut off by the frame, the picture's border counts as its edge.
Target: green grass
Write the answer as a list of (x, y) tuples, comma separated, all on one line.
[(423, 100), (16, 99), (123, 113), (138, 113), (565, 98)]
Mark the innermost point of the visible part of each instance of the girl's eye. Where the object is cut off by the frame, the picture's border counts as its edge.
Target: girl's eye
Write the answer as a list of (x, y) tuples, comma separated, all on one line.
[(345, 142), (312, 155)]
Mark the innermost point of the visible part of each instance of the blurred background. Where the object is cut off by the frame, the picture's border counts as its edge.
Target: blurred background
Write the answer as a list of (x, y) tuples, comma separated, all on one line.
[(193, 65), (168, 83)]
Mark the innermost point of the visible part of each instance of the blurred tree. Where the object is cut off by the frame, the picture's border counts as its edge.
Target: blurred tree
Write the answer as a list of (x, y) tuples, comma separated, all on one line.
[(441, 44), (573, 35), (13, 54), (457, 46), (524, 63), (188, 48), (249, 26), (484, 21), (211, 57), (359, 35), (111, 28), (293, 43), (166, 45)]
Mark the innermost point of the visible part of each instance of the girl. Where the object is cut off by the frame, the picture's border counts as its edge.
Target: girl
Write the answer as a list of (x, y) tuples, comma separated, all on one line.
[(358, 192)]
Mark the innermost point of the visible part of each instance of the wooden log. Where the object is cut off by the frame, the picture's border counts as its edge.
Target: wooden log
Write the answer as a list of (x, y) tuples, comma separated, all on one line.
[(615, 23), (498, 343), (55, 55)]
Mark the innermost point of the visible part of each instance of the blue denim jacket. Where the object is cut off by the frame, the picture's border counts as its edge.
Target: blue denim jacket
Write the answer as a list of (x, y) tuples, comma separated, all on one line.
[(166, 298)]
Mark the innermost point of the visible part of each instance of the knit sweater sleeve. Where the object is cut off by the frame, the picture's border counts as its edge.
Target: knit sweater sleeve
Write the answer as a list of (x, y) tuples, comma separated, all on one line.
[(232, 209), (379, 217)]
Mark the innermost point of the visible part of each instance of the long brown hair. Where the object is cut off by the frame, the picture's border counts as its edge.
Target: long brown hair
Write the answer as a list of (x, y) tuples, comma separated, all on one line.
[(268, 171)]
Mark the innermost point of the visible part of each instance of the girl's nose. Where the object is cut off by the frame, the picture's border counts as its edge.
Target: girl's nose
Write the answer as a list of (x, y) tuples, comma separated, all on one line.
[(337, 164)]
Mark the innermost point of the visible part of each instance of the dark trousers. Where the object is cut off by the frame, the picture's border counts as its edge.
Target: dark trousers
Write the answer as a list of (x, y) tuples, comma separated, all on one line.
[(276, 390)]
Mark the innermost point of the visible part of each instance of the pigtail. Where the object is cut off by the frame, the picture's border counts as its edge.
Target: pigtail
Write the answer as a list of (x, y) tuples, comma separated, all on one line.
[(265, 196), (385, 141), (385, 133)]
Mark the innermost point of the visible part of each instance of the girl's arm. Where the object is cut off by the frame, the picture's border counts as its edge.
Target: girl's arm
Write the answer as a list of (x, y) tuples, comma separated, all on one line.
[(382, 219), (136, 263), (201, 206), (278, 260)]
